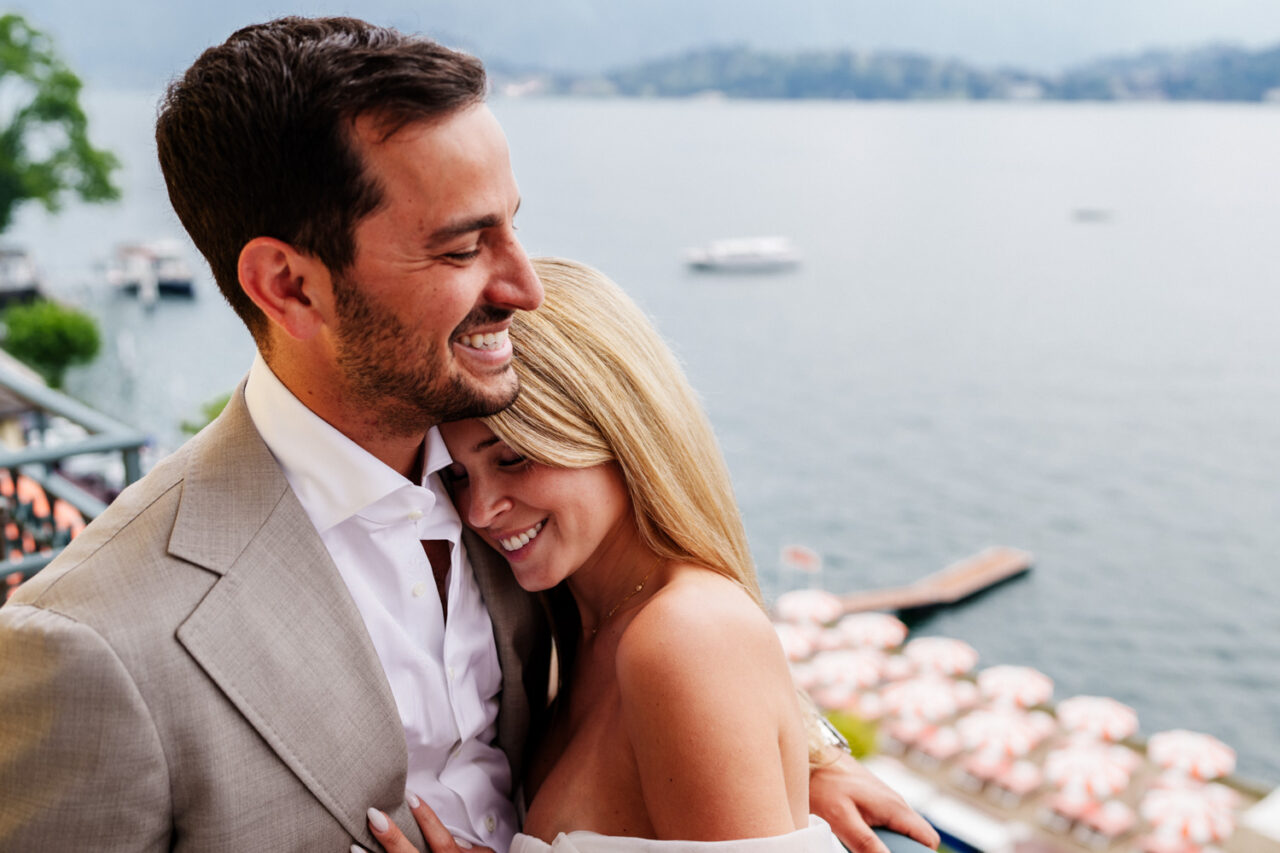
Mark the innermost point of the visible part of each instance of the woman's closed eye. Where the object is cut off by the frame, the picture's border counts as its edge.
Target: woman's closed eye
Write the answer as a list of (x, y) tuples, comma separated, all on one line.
[(512, 461), (453, 475)]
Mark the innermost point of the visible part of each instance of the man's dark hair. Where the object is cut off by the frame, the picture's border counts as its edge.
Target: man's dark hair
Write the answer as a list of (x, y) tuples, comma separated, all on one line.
[(255, 139)]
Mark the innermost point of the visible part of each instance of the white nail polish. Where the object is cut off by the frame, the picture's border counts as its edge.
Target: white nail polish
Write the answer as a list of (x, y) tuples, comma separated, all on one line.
[(463, 843), (412, 799), (356, 848), (378, 820)]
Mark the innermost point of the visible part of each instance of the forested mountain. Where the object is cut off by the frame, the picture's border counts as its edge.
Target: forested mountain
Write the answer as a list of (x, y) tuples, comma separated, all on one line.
[(1217, 73)]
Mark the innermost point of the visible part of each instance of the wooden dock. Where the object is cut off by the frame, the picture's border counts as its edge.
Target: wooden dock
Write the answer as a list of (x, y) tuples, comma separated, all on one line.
[(955, 583)]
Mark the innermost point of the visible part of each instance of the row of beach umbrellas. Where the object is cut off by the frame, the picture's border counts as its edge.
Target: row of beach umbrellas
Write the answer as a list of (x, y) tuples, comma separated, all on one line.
[(928, 693)]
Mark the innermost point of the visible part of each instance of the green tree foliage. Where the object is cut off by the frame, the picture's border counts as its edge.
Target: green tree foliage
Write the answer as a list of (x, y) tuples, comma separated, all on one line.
[(208, 412), (50, 338), (860, 733), (44, 143)]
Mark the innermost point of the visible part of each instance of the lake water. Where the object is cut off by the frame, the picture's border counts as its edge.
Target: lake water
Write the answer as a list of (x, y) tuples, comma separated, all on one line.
[(963, 359)]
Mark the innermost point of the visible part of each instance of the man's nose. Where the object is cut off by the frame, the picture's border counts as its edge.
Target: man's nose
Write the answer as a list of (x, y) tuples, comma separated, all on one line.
[(517, 284)]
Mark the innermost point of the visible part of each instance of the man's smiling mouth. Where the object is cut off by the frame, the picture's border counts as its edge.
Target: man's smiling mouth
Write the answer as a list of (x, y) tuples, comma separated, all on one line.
[(488, 340)]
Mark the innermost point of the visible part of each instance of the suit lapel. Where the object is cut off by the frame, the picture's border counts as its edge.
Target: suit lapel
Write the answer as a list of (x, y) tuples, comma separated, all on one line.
[(524, 641), (279, 632)]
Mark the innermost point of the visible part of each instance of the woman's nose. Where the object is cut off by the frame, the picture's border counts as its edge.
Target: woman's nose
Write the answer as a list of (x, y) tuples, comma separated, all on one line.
[(486, 506)]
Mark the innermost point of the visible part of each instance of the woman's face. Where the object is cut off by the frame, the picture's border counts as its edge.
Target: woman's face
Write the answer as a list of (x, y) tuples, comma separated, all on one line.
[(548, 522)]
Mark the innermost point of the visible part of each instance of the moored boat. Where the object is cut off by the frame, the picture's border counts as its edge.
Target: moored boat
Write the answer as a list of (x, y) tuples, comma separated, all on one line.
[(150, 270), (745, 254), (19, 279)]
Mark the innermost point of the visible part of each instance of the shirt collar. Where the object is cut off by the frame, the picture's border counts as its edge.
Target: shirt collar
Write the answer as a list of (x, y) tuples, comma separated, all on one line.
[(437, 457), (333, 477)]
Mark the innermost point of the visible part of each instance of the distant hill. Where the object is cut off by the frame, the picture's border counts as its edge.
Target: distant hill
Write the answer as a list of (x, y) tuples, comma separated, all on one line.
[(1208, 74), (1217, 73)]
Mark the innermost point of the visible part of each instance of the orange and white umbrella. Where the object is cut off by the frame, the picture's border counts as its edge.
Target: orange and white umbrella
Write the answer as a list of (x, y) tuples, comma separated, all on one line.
[(855, 668), (1185, 814), (867, 706), (800, 558), (67, 517), (1004, 732), (873, 630), (1073, 804), (1022, 686), (834, 697), (828, 639), (1222, 795), (1021, 777), (809, 605), (942, 743), (1113, 818), (932, 698), (941, 655), (907, 730), (985, 766), (900, 667), (1097, 716), (1088, 770), (1199, 755), (798, 641)]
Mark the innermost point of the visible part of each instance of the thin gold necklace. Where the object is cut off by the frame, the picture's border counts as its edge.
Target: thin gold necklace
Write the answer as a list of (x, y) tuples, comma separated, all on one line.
[(630, 595)]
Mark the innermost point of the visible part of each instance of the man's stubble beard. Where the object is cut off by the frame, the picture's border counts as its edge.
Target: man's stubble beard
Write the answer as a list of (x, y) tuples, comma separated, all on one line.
[(382, 374)]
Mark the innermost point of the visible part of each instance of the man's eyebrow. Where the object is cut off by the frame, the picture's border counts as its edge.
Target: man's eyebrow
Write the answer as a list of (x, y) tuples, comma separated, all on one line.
[(457, 229)]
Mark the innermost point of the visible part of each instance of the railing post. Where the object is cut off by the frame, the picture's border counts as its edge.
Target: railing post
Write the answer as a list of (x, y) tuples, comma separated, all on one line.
[(132, 466)]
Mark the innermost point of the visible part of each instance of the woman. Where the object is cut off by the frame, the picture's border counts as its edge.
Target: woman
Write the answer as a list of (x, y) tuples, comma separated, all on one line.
[(677, 720)]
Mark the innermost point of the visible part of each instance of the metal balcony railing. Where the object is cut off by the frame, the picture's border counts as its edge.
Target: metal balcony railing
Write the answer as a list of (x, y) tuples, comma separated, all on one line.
[(39, 463)]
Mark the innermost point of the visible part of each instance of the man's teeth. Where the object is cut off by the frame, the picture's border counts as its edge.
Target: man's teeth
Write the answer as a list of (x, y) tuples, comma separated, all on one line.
[(511, 543), (489, 340)]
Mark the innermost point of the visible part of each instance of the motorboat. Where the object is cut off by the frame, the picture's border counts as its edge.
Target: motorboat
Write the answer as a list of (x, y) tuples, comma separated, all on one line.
[(745, 254), (151, 270), (19, 279)]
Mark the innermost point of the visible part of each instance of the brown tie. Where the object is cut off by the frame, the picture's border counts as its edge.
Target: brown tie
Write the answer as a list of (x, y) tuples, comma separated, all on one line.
[(438, 554)]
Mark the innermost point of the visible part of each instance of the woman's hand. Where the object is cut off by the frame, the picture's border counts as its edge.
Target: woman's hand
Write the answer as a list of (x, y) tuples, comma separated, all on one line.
[(439, 839), (850, 798)]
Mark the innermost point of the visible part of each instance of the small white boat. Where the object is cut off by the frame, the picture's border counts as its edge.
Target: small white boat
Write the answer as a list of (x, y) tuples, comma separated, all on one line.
[(150, 270), (745, 254), (19, 279)]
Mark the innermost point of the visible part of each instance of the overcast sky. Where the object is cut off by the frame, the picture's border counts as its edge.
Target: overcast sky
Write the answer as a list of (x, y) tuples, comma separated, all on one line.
[(141, 43)]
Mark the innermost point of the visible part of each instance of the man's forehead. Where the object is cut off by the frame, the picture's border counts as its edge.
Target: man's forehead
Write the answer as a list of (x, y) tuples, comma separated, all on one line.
[(378, 128), (450, 174)]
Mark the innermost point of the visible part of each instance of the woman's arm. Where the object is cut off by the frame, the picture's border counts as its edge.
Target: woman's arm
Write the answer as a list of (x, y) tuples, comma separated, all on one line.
[(712, 716)]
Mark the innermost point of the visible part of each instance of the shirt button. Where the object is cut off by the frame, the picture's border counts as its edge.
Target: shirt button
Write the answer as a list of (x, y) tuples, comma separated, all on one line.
[(415, 514), (490, 824), (450, 671), (419, 589)]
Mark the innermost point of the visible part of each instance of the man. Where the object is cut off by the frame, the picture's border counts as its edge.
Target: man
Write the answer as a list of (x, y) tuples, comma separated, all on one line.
[(280, 626)]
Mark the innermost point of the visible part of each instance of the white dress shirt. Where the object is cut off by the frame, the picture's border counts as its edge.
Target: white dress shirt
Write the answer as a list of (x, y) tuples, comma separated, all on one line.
[(444, 675)]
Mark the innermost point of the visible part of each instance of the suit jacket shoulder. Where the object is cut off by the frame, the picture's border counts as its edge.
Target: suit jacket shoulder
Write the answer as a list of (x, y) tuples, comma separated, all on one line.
[(196, 647), (192, 656)]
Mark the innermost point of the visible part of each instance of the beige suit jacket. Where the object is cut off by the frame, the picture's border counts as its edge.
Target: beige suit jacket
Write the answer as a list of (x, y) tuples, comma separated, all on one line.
[(192, 674)]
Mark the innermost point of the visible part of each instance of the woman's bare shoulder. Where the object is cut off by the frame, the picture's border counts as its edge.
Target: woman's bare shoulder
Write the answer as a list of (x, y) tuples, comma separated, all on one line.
[(706, 700), (698, 620)]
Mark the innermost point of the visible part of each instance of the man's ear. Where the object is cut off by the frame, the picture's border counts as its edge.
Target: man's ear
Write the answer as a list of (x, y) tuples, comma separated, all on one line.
[(293, 289)]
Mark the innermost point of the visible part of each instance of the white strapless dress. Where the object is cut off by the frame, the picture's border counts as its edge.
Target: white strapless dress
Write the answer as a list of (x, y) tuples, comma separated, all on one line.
[(817, 838)]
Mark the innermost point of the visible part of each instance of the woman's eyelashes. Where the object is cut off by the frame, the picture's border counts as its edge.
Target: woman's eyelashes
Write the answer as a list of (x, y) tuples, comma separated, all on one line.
[(511, 461)]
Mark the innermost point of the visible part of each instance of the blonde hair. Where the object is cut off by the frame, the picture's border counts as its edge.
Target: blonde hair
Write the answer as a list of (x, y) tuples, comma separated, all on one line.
[(597, 385)]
